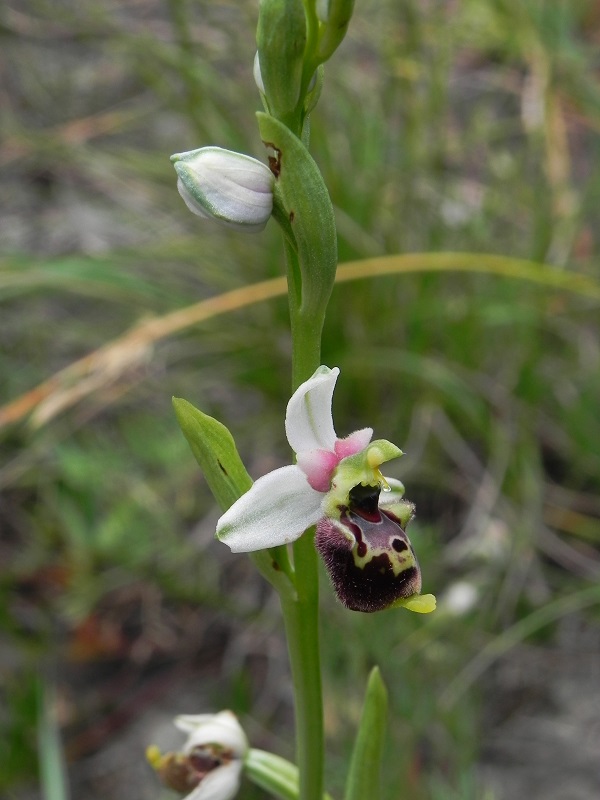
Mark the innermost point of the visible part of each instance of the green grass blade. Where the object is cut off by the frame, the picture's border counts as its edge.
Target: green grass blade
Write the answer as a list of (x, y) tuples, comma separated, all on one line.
[(364, 778), (53, 773)]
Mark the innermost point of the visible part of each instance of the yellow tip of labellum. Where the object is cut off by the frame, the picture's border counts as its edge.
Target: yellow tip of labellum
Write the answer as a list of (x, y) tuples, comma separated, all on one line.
[(419, 603), (153, 756)]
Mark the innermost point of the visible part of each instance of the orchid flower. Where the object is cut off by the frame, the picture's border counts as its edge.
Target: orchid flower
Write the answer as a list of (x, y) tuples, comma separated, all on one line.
[(335, 484), (210, 765)]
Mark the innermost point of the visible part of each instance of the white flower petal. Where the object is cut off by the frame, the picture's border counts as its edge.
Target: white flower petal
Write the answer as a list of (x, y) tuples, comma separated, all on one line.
[(220, 784), (188, 723), (277, 509), (308, 421), (222, 728)]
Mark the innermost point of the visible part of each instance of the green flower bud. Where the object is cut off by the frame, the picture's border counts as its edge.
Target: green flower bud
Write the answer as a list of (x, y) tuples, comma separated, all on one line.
[(281, 39), (334, 16), (233, 189)]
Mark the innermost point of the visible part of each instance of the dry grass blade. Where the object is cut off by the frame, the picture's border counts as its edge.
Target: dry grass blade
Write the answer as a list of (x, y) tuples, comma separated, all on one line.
[(108, 363)]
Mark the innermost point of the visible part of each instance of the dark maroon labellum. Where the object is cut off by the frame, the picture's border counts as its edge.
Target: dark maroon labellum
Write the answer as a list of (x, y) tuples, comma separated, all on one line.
[(368, 556)]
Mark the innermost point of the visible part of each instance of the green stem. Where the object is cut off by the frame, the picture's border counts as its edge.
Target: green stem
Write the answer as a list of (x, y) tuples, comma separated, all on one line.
[(301, 612), (306, 358), (301, 617), (306, 328)]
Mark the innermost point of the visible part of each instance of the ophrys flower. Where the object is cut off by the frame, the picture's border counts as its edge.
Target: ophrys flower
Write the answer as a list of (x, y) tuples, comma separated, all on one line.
[(336, 484), (210, 763)]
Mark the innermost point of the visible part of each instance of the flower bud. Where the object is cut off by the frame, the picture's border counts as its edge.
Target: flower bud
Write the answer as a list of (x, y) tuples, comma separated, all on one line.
[(281, 39), (368, 556), (231, 188), (334, 16)]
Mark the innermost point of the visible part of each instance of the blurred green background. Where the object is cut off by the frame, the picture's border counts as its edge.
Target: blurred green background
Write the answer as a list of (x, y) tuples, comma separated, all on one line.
[(466, 126)]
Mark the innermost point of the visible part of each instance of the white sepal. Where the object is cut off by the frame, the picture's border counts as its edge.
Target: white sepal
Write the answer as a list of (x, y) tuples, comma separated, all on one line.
[(309, 421), (277, 509), (222, 729)]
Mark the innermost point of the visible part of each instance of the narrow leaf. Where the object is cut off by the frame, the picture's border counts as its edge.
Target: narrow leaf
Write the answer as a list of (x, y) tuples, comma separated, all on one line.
[(364, 779), (302, 207), (215, 451)]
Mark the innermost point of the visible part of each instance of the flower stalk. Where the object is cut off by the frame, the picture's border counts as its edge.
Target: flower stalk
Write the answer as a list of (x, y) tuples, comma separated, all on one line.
[(301, 613), (301, 620), (327, 502)]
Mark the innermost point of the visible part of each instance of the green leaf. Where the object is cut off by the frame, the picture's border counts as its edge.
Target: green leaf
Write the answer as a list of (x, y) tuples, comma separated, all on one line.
[(364, 778), (302, 206), (215, 451)]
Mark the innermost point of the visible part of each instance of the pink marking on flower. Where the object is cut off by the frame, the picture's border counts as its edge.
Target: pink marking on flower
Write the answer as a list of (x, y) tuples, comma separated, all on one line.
[(318, 466), (353, 444)]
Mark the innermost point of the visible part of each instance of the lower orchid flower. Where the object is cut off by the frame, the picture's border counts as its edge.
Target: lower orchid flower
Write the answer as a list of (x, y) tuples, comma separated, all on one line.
[(209, 767), (336, 484)]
